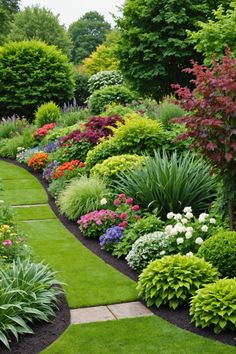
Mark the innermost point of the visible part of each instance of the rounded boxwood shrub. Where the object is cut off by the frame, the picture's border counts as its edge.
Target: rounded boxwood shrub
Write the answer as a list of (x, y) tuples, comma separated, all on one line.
[(47, 113), (31, 73), (220, 250), (103, 79), (173, 280), (109, 168), (145, 249), (81, 196), (215, 305), (107, 95)]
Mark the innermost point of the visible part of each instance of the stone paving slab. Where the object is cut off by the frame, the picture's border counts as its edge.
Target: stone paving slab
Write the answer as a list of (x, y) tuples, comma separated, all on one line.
[(91, 314), (109, 312), (129, 309)]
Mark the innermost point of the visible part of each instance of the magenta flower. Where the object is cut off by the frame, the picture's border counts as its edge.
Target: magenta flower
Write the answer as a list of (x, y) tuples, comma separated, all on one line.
[(123, 215), (122, 196), (117, 202), (7, 243), (123, 224), (129, 201), (135, 207), (137, 217)]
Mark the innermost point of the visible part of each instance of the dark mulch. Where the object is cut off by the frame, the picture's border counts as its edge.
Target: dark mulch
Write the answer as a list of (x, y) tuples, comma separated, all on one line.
[(180, 317), (44, 333)]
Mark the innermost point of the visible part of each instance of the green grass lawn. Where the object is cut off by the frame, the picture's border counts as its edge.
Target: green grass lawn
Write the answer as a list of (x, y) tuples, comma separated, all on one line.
[(34, 213), (144, 335), (89, 280)]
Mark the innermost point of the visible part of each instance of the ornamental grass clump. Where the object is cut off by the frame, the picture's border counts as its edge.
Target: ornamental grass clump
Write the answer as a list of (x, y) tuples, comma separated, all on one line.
[(173, 280), (220, 250), (168, 183), (81, 196), (215, 306), (146, 249)]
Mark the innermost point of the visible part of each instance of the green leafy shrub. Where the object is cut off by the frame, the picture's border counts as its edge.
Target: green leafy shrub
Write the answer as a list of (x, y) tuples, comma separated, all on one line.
[(76, 151), (47, 113), (220, 250), (174, 279), (168, 184), (8, 147), (139, 135), (104, 79), (167, 111), (58, 185), (28, 293), (6, 213), (146, 225), (215, 305), (110, 167), (31, 73), (117, 109), (82, 196), (145, 249), (107, 95), (81, 88), (57, 132)]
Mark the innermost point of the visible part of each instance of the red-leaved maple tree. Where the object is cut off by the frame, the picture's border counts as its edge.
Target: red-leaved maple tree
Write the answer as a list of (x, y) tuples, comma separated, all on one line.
[(211, 118)]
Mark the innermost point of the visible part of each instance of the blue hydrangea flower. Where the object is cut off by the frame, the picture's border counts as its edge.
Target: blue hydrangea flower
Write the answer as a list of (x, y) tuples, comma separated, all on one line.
[(112, 235)]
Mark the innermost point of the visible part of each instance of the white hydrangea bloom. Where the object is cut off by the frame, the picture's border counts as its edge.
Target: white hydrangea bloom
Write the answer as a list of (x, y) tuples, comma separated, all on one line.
[(199, 241), (189, 215), (188, 235), (103, 201), (179, 240), (177, 216), (170, 215), (187, 210), (184, 221), (212, 221), (168, 229), (189, 254), (173, 232), (189, 229), (202, 217), (204, 228)]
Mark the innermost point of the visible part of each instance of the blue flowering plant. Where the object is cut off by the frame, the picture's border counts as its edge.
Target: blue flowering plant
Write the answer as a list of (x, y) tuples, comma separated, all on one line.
[(49, 169), (112, 236), (51, 146)]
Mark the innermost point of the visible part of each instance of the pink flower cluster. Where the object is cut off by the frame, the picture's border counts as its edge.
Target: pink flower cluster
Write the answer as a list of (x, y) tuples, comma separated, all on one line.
[(97, 217)]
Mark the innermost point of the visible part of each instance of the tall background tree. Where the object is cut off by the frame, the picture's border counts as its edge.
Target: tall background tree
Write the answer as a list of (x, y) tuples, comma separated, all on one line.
[(87, 33), (216, 35), (8, 8), (154, 47), (41, 24)]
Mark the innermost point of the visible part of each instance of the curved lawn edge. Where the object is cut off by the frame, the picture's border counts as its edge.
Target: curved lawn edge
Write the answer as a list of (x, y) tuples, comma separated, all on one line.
[(179, 317)]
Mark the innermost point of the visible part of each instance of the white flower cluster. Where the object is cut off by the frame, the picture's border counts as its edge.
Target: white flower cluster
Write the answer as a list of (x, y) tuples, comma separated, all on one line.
[(181, 225), (147, 248)]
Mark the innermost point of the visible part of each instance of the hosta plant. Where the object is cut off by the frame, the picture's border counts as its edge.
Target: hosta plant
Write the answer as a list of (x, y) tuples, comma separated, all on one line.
[(145, 249), (215, 306), (28, 292), (173, 280)]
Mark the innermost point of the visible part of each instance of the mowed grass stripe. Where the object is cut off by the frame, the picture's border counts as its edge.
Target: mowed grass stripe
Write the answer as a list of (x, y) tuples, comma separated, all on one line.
[(89, 281), (147, 335), (34, 213)]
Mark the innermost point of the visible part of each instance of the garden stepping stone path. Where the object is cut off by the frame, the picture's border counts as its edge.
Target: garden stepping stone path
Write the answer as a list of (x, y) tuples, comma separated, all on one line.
[(110, 312)]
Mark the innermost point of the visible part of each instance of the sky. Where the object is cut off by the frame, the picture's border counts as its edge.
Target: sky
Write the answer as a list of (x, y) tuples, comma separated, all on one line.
[(71, 10)]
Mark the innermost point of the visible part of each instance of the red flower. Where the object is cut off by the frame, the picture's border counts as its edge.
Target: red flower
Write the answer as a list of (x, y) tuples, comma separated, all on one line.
[(135, 207), (117, 202), (123, 216), (137, 217), (122, 196)]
